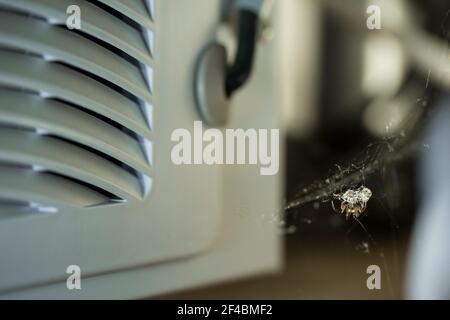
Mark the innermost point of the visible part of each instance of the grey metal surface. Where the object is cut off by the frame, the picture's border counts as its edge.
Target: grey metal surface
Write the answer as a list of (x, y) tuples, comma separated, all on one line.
[(39, 187), (95, 22), (62, 45), (138, 247), (62, 120), (82, 118), (52, 80), (135, 10), (43, 59), (48, 153)]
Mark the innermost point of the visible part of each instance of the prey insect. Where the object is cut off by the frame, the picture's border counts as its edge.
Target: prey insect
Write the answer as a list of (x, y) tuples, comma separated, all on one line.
[(353, 202)]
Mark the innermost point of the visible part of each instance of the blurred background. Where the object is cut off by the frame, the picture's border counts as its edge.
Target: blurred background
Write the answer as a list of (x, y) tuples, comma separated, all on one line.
[(362, 107)]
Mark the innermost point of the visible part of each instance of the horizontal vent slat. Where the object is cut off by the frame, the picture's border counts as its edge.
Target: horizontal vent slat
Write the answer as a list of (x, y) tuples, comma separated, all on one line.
[(72, 124), (95, 22), (139, 12), (12, 211), (30, 186), (64, 83), (133, 9), (63, 45), (26, 148)]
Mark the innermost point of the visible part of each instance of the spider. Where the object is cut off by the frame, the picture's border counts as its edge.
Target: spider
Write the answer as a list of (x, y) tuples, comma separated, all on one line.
[(353, 202)]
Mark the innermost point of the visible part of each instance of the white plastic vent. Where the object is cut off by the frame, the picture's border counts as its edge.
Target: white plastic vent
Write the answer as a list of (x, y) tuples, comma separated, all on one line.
[(76, 135), (75, 105)]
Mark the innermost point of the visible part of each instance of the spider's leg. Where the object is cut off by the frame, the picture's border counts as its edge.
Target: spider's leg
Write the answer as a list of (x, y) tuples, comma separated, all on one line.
[(363, 206), (343, 206), (334, 208), (357, 212), (348, 214)]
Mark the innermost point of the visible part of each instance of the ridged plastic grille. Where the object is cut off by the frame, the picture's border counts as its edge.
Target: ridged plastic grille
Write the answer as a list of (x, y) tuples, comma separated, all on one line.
[(75, 105)]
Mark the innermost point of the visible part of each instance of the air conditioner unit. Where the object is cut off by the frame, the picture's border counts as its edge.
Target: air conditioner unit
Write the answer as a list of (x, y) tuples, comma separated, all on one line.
[(86, 177)]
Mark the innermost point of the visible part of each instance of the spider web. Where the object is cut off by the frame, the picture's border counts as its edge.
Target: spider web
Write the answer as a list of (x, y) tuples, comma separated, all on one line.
[(378, 157), (374, 158)]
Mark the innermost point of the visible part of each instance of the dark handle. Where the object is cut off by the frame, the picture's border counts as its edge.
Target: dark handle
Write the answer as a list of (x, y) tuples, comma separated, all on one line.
[(239, 72)]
